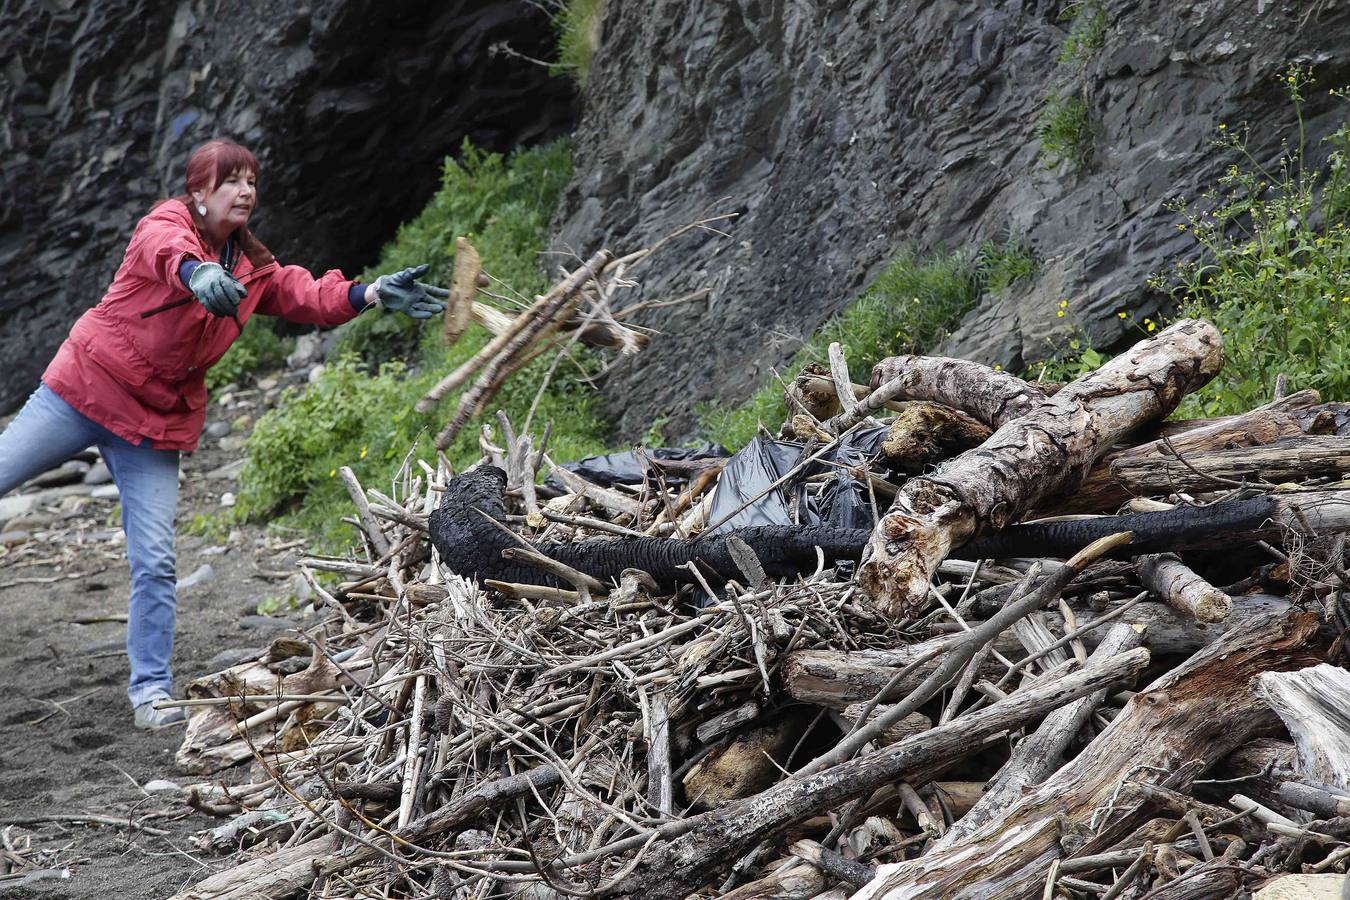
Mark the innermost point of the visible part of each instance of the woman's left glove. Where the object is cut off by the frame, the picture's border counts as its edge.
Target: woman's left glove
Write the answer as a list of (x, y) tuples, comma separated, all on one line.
[(404, 293)]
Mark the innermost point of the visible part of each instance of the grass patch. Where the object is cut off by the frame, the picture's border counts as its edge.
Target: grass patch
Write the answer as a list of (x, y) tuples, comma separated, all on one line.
[(1066, 133), (913, 304), (257, 349), (579, 24), (360, 413), (1274, 270), (1087, 34)]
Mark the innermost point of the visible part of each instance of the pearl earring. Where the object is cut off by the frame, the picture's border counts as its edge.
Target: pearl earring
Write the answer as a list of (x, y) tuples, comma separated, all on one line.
[(201, 209)]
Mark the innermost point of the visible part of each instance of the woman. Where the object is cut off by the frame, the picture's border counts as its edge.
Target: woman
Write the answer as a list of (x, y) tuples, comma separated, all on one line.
[(130, 378)]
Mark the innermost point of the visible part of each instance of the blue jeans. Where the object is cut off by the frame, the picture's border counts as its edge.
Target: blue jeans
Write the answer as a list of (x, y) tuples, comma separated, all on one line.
[(48, 431)]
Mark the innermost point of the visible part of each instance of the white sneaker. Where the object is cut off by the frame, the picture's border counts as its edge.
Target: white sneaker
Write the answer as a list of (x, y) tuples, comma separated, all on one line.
[(150, 719)]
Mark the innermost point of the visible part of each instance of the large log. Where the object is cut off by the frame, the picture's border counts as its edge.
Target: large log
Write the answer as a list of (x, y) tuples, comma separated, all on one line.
[(1037, 455), (1103, 492), (1201, 710), (1289, 459)]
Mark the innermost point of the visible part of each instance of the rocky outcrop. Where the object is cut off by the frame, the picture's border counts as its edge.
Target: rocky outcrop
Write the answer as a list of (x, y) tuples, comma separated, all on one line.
[(350, 106), (841, 130)]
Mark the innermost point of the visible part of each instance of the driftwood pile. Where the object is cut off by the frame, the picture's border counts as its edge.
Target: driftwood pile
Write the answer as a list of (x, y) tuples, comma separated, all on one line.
[(603, 694)]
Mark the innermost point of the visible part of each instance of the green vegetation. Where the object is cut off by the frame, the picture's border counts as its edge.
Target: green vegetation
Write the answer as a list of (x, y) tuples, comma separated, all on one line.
[(257, 349), (1066, 133), (579, 27), (913, 304), (1274, 272), (360, 413), (1087, 35)]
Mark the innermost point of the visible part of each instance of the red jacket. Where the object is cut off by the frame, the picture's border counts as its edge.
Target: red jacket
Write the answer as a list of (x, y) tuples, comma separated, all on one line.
[(145, 377)]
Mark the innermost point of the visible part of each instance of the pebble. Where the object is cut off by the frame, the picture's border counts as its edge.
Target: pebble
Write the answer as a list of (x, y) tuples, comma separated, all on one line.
[(217, 429), (15, 538), (267, 384), (227, 499), (315, 374), (227, 659), (16, 505), (233, 443), (265, 624), (98, 474), (105, 492), (160, 786), (215, 550), (203, 574), (242, 424)]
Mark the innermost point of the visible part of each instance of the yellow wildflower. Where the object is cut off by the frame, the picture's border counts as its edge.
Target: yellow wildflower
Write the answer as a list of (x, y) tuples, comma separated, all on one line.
[(1122, 315), (1060, 313), (363, 452)]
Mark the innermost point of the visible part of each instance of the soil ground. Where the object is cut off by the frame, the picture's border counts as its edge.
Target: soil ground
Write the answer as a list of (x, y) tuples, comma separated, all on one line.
[(67, 743)]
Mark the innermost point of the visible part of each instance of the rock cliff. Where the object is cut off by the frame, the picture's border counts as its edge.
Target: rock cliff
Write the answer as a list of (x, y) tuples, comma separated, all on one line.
[(841, 130), (350, 106)]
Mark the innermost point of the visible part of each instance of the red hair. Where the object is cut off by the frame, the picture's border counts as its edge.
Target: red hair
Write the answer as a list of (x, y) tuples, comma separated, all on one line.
[(214, 161)]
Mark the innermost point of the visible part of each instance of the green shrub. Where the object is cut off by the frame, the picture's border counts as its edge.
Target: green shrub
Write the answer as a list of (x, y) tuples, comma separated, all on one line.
[(913, 304), (578, 24), (360, 413), (1274, 272), (257, 349), (1066, 133), (1087, 35)]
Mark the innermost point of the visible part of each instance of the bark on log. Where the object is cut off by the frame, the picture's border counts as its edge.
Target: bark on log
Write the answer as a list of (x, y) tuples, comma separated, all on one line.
[(992, 397), (1289, 459), (1103, 492), (463, 288), (837, 679), (1169, 578), (717, 838), (1199, 711), (1315, 706), (1034, 456)]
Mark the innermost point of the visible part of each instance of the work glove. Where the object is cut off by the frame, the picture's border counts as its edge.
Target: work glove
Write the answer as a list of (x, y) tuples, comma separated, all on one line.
[(403, 293), (216, 289)]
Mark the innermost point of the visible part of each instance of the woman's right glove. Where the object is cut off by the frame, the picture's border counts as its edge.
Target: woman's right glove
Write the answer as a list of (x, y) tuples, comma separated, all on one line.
[(403, 293), (216, 289)]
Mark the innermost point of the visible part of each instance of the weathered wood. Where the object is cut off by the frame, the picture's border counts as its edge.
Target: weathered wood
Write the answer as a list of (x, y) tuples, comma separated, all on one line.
[(1199, 711), (924, 434), (838, 678), (1219, 879), (1172, 580), (463, 288), (992, 397), (284, 873), (1288, 459), (746, 766), (716, 838), (1103, 492), (791, 881), (1031, 457), (1040, 753), (659, 791), (1314, 704)]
